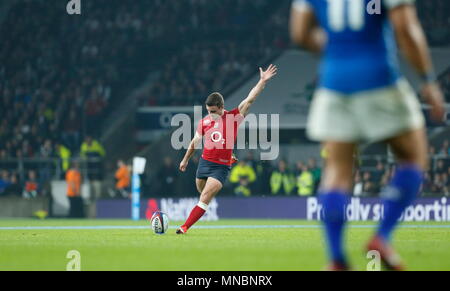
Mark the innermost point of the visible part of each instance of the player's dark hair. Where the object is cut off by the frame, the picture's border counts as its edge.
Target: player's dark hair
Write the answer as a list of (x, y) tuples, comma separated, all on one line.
[(215, 99)]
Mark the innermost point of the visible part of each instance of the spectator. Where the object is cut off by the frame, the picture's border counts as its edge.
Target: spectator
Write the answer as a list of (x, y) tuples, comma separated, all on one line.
[(316, 171), (243, 188), (369, 186), (299, 165), (445, 149), (94, 152), (242, 174), (122, 176), (358, 187), (31, 186), (431, 156), (91, 148), (305, 182), (439, 184), (377, 176), (46, 150), (73, 179), (385, 179), (14, 188), (440, 167), (4, 181), (46, 153), (64, 154), (427, 185), (282, 181)]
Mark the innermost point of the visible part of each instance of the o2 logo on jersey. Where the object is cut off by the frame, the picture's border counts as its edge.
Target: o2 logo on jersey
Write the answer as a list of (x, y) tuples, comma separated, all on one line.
[(216, 136)]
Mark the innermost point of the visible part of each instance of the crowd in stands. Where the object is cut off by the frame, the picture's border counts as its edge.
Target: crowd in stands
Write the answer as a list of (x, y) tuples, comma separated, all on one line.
[(55, 83), (10, 185), (241, 36), (30, 178), (249, 177), (212, 65), (60, 74)]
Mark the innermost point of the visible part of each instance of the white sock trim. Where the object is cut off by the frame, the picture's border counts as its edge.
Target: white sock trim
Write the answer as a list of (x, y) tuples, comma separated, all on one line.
[(202, 205)]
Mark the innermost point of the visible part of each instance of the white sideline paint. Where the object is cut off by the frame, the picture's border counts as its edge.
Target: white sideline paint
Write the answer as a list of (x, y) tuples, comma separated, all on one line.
[(131, 227)]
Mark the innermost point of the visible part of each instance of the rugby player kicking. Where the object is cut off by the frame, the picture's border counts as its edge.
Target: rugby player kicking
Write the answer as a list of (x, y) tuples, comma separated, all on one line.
[(219, 130)]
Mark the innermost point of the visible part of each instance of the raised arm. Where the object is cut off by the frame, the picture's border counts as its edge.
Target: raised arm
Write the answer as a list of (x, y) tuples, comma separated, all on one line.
[(190, 151), (304, 30), (254, 93), (413, 44)]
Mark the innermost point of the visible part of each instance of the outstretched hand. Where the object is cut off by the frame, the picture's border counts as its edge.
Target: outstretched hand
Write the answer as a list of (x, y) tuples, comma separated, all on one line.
[(265, 76), (268, 74)]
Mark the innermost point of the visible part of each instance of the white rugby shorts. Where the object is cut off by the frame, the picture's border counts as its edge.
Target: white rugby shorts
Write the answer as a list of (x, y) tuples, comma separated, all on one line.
[(371, 116)]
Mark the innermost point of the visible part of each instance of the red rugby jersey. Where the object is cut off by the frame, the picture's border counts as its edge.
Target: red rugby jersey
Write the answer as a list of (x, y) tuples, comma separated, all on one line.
[(220, 136)]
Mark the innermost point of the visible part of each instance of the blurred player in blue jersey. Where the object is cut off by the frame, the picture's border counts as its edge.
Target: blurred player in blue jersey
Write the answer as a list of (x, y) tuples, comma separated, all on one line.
[(362, 96)]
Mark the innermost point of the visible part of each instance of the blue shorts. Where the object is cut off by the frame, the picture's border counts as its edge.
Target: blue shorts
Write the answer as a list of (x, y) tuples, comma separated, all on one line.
[(209, 169)]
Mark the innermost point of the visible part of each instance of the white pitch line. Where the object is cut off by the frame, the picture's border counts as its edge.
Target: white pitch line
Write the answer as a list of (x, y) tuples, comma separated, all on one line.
[(131, 227)]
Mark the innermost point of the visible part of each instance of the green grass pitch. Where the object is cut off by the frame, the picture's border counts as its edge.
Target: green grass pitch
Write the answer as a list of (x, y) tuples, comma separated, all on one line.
[(423, 246)]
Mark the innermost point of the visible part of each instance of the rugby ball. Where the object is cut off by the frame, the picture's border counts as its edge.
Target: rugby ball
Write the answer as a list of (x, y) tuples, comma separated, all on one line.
[(159, 222)]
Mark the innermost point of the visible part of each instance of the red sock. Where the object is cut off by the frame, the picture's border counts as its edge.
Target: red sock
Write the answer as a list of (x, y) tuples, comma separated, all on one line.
[(196, 213)]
